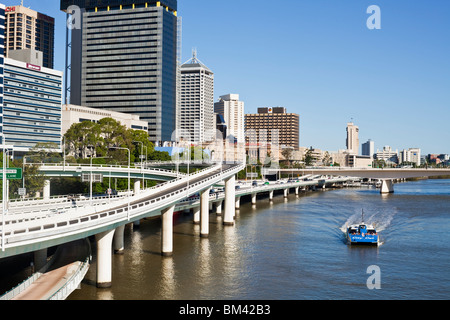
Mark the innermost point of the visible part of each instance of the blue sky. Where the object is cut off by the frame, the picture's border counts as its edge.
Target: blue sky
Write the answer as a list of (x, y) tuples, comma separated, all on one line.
[(317, 58)]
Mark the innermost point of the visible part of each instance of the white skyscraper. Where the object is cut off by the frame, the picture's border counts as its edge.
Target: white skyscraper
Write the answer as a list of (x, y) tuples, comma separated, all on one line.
[(196, 117), (233, 113)]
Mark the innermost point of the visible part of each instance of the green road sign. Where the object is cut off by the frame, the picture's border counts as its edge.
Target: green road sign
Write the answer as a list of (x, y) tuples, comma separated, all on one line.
[(12, 173)]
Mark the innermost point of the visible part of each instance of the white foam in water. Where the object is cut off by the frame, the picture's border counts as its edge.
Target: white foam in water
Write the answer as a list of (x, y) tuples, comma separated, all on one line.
[(380, 220)]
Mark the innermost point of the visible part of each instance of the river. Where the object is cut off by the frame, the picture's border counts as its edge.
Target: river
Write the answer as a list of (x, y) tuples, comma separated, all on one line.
[(294, 249)]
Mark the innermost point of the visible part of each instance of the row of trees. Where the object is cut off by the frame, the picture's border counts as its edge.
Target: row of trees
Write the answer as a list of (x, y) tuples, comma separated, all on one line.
[(82, 141), (104, 140)]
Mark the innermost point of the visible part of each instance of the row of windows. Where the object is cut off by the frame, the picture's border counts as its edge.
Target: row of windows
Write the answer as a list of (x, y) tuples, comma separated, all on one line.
[(13, 71)]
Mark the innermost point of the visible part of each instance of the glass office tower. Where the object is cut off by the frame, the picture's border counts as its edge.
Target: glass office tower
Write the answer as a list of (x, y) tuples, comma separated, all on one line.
[(124, 59)]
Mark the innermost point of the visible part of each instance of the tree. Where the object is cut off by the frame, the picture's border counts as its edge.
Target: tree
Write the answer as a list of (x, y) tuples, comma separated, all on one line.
[(143, 146), (309, 157), (45, 152), (82, 138), (327, 161), (287, 154)]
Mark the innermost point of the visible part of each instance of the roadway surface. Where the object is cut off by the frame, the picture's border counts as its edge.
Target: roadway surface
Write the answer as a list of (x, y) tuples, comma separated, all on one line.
[(64, 264)]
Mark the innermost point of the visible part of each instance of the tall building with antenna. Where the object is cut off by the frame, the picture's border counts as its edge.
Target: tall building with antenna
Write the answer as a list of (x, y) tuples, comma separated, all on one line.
[(30, 30), (124, 59), (196, 112)]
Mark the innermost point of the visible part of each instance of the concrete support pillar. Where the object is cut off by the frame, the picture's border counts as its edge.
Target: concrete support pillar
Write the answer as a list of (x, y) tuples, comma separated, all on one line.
[(219, 208), (204, 213), (237, 203), (296, 190), (196, 211), (40, 259), (253, 198), (104, 258), (271, 195), (137, 187), (230, 195), (387, 186), (119, 245), (286, 192), (46, 190), (167, 232)]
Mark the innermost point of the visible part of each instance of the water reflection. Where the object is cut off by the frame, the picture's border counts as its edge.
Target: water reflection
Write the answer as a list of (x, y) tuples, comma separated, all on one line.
[(289, 249), (168, 283)]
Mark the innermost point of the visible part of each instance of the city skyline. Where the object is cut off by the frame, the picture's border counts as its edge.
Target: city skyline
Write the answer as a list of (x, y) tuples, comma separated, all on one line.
[(321, 61)]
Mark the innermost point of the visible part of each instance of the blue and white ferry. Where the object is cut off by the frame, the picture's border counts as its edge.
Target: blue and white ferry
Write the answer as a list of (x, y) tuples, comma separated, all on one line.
[(362, 233)]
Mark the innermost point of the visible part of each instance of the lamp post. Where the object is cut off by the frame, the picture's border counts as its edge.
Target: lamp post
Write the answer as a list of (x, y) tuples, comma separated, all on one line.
[(142, 157), (4, 192), (5, 189), (129, 188), (91, 176), (24, 162)]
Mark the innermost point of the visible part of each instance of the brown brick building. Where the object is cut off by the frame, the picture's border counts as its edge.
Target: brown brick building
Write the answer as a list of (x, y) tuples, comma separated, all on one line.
[(287, 124)]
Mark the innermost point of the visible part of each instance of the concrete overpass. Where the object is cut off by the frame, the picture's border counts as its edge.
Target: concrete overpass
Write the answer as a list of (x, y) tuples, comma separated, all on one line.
[(107, 222), (386, 175)]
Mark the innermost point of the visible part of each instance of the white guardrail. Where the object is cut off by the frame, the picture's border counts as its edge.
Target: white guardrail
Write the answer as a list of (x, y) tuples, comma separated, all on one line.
[(29, 232)]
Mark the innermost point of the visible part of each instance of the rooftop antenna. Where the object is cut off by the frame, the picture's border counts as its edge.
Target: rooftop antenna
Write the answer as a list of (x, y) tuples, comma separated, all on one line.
[(194, 59)]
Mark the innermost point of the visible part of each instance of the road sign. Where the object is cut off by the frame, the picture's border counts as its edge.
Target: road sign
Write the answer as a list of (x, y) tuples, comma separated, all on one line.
[(22, 191), (96, 177), (12, 173)]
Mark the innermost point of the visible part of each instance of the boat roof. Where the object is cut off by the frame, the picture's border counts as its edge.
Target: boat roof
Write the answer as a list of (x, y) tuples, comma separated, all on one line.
[(356, 226)]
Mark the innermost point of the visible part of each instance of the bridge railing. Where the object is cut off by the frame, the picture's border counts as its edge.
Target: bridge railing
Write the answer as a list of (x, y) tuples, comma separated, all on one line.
[(82, 166), (71, 284)]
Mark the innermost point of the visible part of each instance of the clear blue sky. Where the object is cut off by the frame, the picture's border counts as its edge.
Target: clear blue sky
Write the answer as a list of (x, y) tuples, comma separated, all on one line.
[(317, 58)]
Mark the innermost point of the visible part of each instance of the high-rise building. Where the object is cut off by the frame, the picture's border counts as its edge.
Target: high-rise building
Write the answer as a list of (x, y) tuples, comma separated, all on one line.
[(124, 59), (368, 148), (32, 101), (29, 29), (352, 138), (197, 118), (412, 155), (387, 154), (233, 113), (268, 119), (2, 65)]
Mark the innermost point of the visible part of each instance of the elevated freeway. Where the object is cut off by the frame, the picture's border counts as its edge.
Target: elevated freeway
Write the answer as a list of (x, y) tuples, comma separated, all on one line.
[(106, 221), (387, 175)]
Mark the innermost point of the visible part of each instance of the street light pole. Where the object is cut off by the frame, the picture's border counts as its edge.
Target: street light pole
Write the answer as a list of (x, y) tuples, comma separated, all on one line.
[(129, 189), (4, 192), (90, 178), (142, 163)]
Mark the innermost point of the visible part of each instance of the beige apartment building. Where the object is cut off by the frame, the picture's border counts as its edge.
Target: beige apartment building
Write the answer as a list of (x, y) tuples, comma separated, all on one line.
[(26, 29), (269, 119)]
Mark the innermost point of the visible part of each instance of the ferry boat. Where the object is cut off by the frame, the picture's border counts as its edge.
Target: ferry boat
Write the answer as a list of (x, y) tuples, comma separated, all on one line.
[(362, 233)]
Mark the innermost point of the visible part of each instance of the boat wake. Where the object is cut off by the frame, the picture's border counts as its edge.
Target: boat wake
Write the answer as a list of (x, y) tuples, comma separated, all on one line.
[(380, 220)]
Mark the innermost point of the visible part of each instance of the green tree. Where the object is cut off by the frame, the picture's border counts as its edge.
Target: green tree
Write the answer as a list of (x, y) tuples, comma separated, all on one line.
[(115, 135), (309, 159), (143, 146), (82, 139)]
